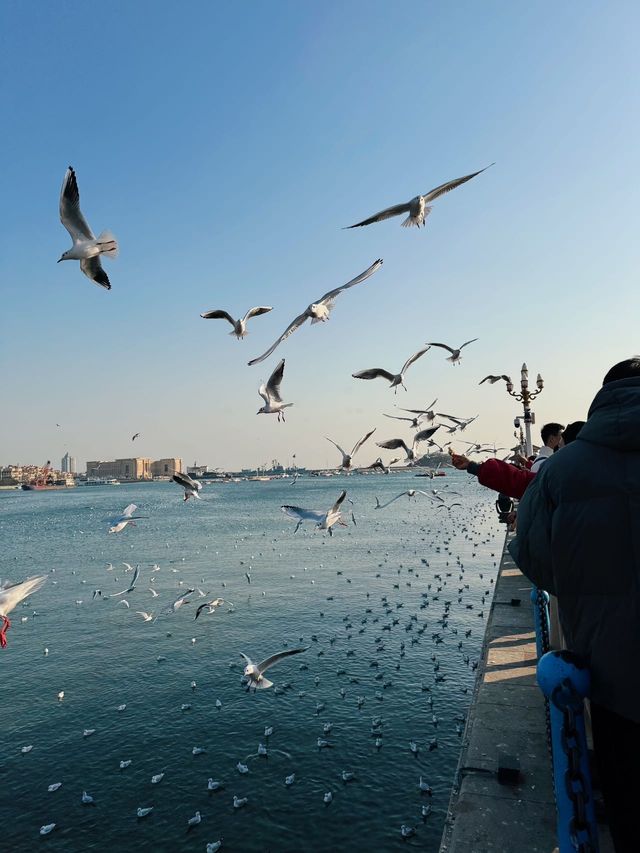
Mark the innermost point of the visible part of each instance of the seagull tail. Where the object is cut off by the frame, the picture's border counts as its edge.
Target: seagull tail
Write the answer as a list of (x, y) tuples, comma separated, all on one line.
[(263, 684), (107, 244), (416, 220)]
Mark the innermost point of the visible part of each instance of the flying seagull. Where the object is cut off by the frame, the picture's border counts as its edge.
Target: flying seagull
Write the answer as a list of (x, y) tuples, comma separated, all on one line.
[(493, 379), (191, 487), (459, 423), (455, 356), (120, 522), (86, 248), (377, 465), (347, 457), (10, 596), (428, 413), (318, 311), (394, 379), (414, 422), (410, 493), (417, 208), (215, 602), (253, 672), (395, 443), (131, 586), (134, 436), (239, 326), (324, 520), (270, 393)]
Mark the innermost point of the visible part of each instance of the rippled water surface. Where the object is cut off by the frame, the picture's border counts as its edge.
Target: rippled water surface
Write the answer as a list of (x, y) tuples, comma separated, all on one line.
[(306, 589)]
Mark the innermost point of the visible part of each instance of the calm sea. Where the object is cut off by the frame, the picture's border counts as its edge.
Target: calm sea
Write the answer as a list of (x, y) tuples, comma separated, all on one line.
[(366, 602)]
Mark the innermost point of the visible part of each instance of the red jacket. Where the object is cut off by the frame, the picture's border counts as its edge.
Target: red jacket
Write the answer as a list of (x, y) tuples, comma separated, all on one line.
[(502, 477)]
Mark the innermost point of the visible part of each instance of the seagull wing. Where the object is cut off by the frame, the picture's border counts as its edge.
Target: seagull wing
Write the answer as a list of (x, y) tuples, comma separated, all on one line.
[(345, 456), (398, 418), (387, 213), (275, 380), (336, 507), (393, 444), (413, 358), (218, 315), (303, 514), (295, 324), (185, 481), (70, 213), (424, 434), (444, 346), (202, 606), (359, 444), (493, 379), (328, 297), (248, 660), (255, 312), (374, 373), (12, 595), (433, 194), (268, 662), (129, 510), (93, 269), (467, 343), (401, 495)]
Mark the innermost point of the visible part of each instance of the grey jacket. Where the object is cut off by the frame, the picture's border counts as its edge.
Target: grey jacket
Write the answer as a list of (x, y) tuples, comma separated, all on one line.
[(579, 538)]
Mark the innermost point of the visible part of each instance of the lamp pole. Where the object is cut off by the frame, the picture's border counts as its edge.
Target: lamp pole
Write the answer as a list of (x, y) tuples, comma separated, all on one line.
[(525, 397)]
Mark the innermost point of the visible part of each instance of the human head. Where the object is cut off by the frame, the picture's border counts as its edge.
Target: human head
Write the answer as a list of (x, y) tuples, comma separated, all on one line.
[(627, 369), (552, 435), (571, 432)]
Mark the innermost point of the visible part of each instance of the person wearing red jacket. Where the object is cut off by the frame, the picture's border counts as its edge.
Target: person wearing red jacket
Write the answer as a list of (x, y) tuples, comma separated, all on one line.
[(496, 474)]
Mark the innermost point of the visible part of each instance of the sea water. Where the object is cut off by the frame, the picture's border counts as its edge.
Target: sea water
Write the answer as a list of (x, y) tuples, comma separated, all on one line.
[(366, 601)]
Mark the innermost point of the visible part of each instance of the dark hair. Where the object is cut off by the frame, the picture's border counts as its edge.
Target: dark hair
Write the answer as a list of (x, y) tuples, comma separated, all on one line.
[(571, 431), (627, 369), (550, 429)]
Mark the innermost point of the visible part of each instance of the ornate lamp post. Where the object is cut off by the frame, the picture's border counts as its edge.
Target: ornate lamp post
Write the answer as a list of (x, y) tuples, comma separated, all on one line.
[(525, 397)]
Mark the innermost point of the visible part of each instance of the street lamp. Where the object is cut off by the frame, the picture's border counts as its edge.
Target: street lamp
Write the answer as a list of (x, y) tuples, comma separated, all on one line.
[(525, 397)]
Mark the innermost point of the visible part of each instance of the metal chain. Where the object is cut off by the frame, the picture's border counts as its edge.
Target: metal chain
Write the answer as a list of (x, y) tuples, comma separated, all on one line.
[(567, 700)]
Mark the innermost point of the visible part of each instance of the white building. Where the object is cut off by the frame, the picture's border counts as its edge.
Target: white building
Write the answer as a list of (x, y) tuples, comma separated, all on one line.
[(69, 464)]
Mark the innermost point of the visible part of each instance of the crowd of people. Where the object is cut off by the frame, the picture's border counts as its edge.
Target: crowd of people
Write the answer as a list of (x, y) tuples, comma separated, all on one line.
[(578, 538)]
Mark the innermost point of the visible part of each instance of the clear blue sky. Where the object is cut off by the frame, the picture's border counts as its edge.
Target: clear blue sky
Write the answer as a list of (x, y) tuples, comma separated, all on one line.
[(226, 145)]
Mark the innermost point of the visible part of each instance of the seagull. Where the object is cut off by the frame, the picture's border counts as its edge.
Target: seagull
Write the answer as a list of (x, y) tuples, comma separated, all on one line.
[(136, 435), (378, 464), (86, 248), (395, 379), (417, 208), (253, 672), (54, 787), (455, 356), (194, 821), (87, 799), (214, 846), (410, 493), (318, 311), (347, 457), (238, 802), (325, 520), (144, 812), (191, 487), (131, 586), (270, 393), (428, 414), (10, 596), (127, 517), (178, 603), (395, 443), (414, 422), (147, 617), (493, 379), (215, 602), (459, 423), (239, 326), (47, 828)]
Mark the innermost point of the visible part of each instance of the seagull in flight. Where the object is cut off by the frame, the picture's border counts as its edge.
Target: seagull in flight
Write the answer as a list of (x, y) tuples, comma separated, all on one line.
[(254, 672), (127, 517), (86, 248), (319, 311), (10, 596), (394, 379), (455, 356), (459, 423), (215, 602), (493, 379), (239, 326), (270, 393), (347, 457), (418, 208), (379, 465), (410, 493), (134, 436), (178, 603), (191, 487), (428, 414), (131, 586), (395, 443), (324, 520)]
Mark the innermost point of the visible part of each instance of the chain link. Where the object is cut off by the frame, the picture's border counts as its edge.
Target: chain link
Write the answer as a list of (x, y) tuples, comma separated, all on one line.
[(567, 700)]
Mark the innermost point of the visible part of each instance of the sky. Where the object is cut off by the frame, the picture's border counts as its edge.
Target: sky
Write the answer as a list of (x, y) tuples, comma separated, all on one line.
[(227, 145)]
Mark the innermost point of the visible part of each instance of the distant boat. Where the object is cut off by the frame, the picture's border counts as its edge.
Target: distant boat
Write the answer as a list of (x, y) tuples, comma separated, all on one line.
[(99, 481)]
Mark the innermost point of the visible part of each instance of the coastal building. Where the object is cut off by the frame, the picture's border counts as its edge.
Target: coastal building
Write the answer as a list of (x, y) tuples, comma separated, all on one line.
[(68, 464), (166, 467), (136, 468), (196, 470)]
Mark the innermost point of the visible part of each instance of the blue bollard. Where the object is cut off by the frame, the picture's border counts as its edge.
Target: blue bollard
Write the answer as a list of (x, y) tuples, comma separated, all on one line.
[(565, 681), (541, 620)]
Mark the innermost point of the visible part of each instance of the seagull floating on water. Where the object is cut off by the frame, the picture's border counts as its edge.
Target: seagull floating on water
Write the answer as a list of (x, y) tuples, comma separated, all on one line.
[(395, 379), (10, 596), (86, 248), (318, 311), (254, 672), (270, 393), (417, 208), (239, 326)]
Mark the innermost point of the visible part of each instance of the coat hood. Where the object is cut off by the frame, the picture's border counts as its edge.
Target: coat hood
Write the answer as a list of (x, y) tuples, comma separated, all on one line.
[(614, 416)]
